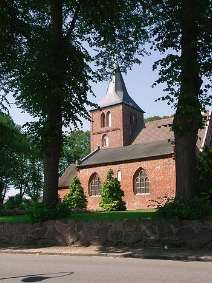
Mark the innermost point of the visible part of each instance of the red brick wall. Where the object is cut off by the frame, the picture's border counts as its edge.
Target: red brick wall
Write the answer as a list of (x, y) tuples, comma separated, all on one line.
[(62, 192), (161, 173), (122, 130), (115, 132), (133, 122)]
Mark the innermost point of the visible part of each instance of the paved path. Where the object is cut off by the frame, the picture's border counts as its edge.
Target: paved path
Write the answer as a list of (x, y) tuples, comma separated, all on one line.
[(84, 269), (145, 253)]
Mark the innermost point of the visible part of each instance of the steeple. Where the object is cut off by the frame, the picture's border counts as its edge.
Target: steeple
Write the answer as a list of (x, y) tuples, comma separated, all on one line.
[(117, 92), (118, 119)]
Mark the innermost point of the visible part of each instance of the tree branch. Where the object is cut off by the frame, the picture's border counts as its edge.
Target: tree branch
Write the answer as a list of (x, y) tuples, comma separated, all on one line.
[(74, 19)]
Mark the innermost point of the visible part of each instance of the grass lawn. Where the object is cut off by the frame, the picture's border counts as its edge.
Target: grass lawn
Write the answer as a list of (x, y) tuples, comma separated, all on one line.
[(90, 216), (114, 215), (15, 219)]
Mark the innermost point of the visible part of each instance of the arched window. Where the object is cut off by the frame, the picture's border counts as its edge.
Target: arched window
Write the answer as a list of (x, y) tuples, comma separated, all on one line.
[(105, 141), (108, 119), (141, 182), (102, 120), (94, 185)]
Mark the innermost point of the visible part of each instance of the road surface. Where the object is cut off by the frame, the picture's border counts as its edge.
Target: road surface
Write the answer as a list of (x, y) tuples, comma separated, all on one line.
[(84, 269)]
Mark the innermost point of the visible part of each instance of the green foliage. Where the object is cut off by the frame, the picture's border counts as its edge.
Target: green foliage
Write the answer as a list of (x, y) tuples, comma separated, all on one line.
[(111, 194), (75, 199), (20, 163), (205, 170), (181, 33), (39, 212), (195, 208), (91, 216), (76, 145), (167, 39), (17, 202), (13, 144), (52, 49)]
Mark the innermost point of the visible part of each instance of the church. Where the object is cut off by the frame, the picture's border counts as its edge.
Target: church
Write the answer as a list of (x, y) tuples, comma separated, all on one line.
[(140, 154)]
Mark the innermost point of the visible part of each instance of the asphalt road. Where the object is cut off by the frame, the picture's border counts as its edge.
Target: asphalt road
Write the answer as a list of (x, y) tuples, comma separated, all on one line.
[(83, 269)]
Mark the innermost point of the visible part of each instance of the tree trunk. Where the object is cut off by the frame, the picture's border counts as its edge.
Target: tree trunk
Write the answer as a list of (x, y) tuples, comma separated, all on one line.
[(52, 156), (3, 190), (187, 119), (53, 133)]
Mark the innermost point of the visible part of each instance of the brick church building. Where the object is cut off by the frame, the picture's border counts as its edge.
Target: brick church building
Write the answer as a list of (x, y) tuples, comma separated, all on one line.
[(140, 154)]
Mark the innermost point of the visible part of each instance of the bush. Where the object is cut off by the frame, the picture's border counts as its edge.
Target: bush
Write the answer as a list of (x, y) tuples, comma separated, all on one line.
[(76, 198), (12, 212), (111, 194), (40, 212), (204, 167), (195, 208), (16, 202)]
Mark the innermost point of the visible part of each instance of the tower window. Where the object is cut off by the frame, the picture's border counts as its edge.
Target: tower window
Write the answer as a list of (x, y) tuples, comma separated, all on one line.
[(108, 119), (94, 185), (141, 182), (105, 141), (102, 120)]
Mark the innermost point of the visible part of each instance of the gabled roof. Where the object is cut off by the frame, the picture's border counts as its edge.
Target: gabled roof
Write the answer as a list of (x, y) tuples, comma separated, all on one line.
[(128, 153), (68, 175), (161, 130), (152, 141), (155, 131), (117, 92)]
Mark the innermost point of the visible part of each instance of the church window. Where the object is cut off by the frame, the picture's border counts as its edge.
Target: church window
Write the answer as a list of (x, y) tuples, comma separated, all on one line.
[(102, 120), (119, 175), (108, 119), (94, 185), (105, 141), (141, 182)]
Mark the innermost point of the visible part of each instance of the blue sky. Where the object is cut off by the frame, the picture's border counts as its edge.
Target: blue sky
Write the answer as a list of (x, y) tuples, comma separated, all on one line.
[(138, 82)]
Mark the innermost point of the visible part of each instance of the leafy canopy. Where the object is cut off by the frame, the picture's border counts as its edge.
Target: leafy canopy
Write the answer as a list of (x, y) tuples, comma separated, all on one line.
[(76, 145)]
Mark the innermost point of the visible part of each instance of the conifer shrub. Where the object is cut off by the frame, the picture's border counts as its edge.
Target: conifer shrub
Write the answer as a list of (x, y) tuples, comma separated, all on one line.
[(75, 199), (111, 194)]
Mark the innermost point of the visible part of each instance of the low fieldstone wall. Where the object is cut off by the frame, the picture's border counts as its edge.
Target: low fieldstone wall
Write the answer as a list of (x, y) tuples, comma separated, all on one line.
[(140, 233)]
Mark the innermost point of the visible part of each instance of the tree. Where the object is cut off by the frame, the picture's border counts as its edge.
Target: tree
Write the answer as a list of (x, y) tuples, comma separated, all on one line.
[(75, 199), (20, 163), (51, 73), (181, 31), (28, 176), (111, 194), (76, 145), (12, 145)]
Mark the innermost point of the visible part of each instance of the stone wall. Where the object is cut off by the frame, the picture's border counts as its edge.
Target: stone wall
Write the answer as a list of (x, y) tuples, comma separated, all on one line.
[(137, 233)]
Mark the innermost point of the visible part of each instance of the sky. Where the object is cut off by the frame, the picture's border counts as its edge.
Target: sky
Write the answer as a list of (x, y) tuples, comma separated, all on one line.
[(138, 82)]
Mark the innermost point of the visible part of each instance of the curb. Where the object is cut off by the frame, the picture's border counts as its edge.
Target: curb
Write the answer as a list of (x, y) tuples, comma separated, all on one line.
[(117, 255)]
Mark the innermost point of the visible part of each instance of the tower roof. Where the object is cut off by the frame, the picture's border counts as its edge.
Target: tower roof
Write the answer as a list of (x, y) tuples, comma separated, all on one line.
[(117, 92)]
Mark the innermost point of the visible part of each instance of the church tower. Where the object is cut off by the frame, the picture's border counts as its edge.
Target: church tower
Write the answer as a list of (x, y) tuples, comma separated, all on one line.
[(118, 119)]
